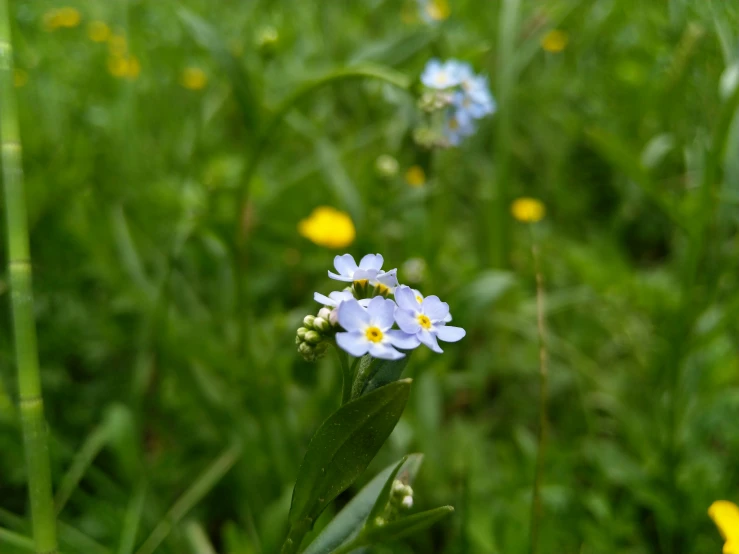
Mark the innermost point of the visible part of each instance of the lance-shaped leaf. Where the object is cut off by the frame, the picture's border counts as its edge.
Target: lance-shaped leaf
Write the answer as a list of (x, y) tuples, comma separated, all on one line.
[(349, 522), (343, 447), (403, 527), (374, 373)]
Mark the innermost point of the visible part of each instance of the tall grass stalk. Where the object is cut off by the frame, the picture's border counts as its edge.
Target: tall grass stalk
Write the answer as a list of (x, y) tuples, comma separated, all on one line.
[(543, 399), (24, 327)]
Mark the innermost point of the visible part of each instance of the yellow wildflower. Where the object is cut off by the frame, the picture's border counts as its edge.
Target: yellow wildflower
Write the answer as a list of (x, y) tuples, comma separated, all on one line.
[(528, 210), (20, 78), (69, 17), (327, 226), (98, 31), (415, 176), (554, 41), (725, 515), (124, 66), (193, 78), (117, 45), (61, 17), (438, 10)]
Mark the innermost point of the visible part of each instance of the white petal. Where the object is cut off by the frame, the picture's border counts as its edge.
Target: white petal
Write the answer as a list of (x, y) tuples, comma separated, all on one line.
[(340, 295), (449, 333), (352, 316), (406, 299), (435, 308), (355, 343), (371, 261), (384, 351), (402, 340), (325, 300), (407, 321), (429, 340), (339, 277), (388, 278), (381, 312), (345, 265)]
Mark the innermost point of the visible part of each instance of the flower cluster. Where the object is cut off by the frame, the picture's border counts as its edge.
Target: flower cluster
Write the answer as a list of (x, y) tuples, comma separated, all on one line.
[(374, 315), (461, 96)]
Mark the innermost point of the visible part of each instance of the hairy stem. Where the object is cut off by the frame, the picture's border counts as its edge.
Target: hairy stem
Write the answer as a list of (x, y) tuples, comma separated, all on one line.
[(24, 325), (543, 401)]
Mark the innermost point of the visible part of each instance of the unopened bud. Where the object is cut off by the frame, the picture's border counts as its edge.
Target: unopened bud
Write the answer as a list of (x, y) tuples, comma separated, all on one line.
[(301, 332), (298, 340), (386, 166), (305, 349), (407, 502), (325, 313), (334, 317), (321, 324), (313, 337), (308, 321)]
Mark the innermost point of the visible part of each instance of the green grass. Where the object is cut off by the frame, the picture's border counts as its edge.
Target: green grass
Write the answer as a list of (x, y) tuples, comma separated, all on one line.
[(170, 277)]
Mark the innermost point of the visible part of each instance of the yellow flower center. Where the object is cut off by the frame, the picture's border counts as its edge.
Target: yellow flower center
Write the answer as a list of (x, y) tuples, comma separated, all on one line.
[(419, 299), (373, 334), (424, 321), (361, 283), (382, 289)]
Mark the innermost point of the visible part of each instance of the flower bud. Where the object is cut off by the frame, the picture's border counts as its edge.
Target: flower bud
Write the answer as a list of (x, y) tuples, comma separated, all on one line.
[(305, 349), (308, 321), (334, 317), (321, 324), (407, 502), (298, 340), (301, 332), (324, 313), (313, 337), (386, 166)]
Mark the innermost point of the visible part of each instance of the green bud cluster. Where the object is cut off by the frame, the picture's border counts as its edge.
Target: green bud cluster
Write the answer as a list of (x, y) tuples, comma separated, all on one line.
[(434, 100), (429, 138), (401, 500), (311, 338)]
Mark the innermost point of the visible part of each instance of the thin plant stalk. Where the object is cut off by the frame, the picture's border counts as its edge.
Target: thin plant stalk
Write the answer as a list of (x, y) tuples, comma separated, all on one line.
[(24, 326), (347, 376), (536, 508)]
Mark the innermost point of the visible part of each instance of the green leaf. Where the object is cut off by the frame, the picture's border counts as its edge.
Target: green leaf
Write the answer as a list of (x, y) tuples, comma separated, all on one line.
[(350, 521), (343, 447), (403, 527), (381, 372), (209, 38)]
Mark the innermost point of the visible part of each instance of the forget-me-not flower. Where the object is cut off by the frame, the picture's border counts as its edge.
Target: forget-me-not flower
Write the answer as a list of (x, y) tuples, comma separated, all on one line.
[(425, 319), (370, 330), (442, 76)]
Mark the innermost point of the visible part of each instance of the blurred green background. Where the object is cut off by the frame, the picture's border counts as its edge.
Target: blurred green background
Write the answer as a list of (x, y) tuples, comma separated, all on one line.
[(167, 298)]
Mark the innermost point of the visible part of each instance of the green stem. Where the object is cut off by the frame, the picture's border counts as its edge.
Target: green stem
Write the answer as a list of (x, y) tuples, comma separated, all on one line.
[(347, 373), (543, 400), (24, 327), (363, 374), (295, 537)]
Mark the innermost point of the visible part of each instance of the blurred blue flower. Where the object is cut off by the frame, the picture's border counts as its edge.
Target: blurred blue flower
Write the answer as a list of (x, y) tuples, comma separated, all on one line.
[(458, 126), (441, 76)]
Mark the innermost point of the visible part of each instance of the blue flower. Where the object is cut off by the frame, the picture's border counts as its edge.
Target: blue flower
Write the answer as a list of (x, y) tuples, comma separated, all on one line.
[(369, 268), (426, 319), (458, 126), (475, 97), (370, 330), (442, 76)]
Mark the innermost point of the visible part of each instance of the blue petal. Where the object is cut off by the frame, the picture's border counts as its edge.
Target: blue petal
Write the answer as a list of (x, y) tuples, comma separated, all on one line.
[(381, 312), (352, 317), (406, 298), (407, 321), (449, 333), (325, 300), (429, 340), (355, 343), (435, 308), (384, 351), (345, 265), (371, 261), (402, 340)]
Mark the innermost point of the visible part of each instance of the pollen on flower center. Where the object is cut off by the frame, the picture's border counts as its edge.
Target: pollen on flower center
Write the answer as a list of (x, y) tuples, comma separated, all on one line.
[(373, 334), (419, 299), (424, 321)]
